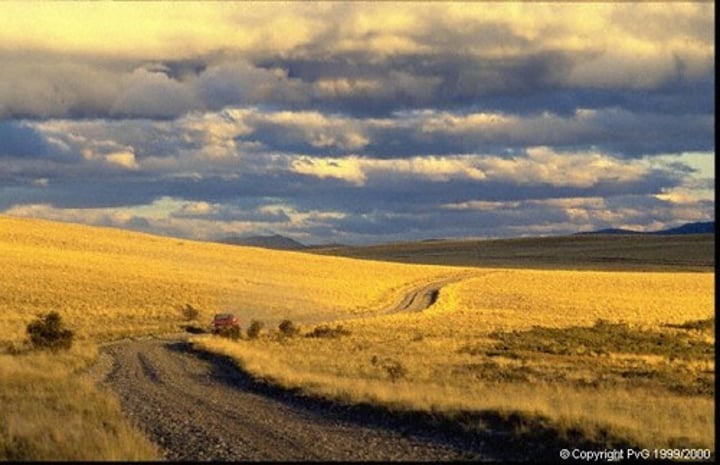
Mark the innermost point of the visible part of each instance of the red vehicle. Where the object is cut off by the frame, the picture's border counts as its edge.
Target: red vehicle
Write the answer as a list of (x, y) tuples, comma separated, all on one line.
[(224, 320)]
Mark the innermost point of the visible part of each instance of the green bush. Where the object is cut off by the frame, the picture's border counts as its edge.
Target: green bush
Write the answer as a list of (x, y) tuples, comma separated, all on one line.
[(47, 332), (253, 331)]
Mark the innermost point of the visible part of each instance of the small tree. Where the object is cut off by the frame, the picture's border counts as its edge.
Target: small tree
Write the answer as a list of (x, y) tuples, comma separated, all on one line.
[(189, 313), (254, 329), (47, 332)]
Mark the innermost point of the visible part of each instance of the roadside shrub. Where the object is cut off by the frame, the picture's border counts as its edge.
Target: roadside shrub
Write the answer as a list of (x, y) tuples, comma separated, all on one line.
[(253, 331), (328, 332), (14, 347), (697, 325), (394, 369), (231, 332), (193, 329), (602, 338), (288, 328), (189, 313), (47, 332)]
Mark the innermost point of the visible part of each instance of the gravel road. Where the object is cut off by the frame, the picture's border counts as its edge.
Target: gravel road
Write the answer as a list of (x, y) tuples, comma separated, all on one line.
[(201, 407), (197, 406), (423, 296)]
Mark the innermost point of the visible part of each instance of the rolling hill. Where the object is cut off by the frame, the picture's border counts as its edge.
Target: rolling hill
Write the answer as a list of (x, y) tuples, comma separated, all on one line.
[(275, 241), (707, 227), (111, 282), (599, 251)]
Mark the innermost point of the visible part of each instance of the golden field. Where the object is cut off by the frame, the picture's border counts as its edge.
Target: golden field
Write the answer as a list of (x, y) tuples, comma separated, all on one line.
[(624, 353), (108, 283), (536, 342), (519, 299), (51, 413)]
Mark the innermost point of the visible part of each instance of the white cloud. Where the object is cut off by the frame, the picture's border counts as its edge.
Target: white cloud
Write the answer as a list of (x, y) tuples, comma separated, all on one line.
[(541, 165), (124, 159), (348, 169)]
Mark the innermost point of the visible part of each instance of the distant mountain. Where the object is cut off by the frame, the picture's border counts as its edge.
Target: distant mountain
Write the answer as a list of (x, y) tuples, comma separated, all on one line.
[(275, 241), (329, 245), (609, 231), (707, 227), (691, 228)]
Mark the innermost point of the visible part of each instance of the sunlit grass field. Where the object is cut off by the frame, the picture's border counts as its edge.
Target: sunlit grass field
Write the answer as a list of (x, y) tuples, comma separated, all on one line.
[(599, 352), (612, 354), (109, 283), (51, 412)]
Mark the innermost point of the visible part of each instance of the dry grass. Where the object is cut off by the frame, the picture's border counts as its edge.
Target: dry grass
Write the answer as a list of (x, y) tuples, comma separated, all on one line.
[(343, 370), (107, 284), (49, 412), (491, 344), (515, 299), (138, 284)]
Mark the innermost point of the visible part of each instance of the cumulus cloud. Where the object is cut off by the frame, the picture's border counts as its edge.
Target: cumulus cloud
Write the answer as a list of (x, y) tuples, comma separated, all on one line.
[(358, 121), (540, 165), (348, 58), (149, 93), (125, 159)]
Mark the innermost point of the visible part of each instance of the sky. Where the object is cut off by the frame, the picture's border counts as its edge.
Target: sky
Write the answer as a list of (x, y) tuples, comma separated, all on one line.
[(358, 122)]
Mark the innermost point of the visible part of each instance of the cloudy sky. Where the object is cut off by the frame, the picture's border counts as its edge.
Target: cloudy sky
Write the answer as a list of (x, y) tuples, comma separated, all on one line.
[(358, 122)]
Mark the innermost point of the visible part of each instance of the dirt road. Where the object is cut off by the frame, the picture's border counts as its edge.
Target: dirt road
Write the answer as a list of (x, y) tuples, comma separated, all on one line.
[(423, 296), (201, 407)]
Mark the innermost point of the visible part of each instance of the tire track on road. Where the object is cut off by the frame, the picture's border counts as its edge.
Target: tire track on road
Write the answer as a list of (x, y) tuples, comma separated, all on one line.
[(200, 407), (197, 406), (423, 296)]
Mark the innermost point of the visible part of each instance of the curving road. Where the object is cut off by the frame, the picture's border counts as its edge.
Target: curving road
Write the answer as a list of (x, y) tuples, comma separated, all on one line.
[(197, 406), (423, 296)]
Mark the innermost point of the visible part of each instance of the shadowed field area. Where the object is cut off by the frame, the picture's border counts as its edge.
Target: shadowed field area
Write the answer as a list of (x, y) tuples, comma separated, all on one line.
[(687, 252)]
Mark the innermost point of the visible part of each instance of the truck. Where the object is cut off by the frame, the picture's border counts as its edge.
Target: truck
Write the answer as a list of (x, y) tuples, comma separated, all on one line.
[(224, 321)]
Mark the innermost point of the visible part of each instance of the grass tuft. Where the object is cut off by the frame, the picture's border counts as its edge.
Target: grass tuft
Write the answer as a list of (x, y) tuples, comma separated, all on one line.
[(324, 331)]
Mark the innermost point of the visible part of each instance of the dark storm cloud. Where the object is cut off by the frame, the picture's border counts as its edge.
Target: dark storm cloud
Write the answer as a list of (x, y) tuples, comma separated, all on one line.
[(444, 81), (524, 84), (20, 141), (613, 130), (87, 193), (23, 142), (40, 85)]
